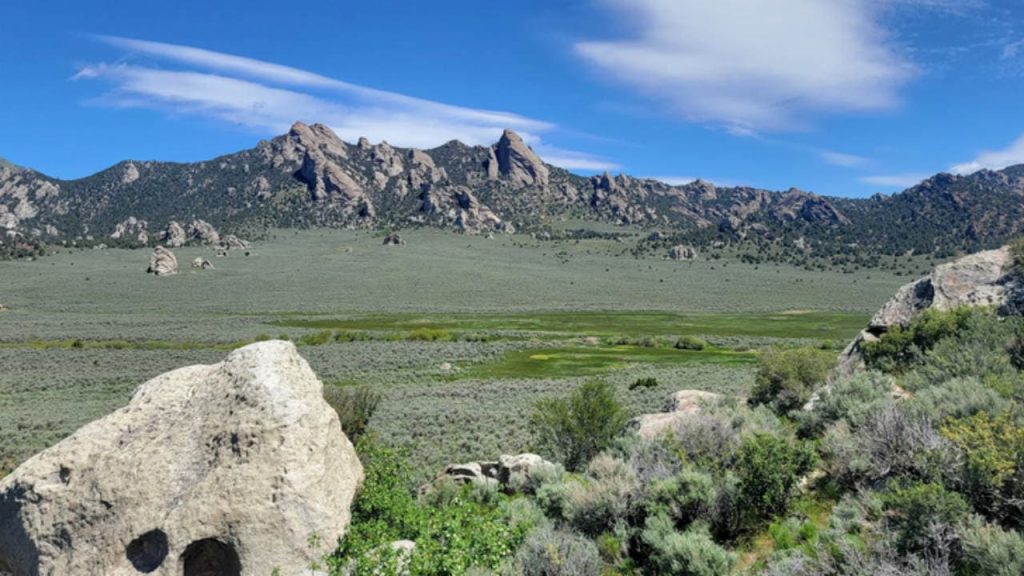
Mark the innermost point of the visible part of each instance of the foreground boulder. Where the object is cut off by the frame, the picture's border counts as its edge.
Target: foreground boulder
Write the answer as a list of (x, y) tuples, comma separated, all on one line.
[(981, 279), (519, 473), (202, 263), (163, 262), (678, 407), (236, 468)]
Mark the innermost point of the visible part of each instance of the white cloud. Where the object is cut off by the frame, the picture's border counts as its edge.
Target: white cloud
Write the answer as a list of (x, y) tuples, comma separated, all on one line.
[(993, 159), (270, 97), (674, 180), (754, 66), (899, 181), (843, 159), (1012, 49)]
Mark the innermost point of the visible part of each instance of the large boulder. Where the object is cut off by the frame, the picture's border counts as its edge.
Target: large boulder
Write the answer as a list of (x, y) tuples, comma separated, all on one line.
[(174, 235), (235, 468), (517, 162), (679, 407), (981, 279), (162, 262)]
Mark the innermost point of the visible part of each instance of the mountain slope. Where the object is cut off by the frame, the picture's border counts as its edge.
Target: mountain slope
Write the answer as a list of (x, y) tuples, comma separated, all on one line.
[(310, 177)]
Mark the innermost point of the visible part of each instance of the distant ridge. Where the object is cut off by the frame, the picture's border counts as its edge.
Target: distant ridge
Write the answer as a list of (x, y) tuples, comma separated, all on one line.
[(310, 177)]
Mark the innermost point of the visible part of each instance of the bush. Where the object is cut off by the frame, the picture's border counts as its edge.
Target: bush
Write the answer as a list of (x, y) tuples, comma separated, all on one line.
[(991, 551), (574, 429), (317, 338), (852, 399), (548, 552), (993, 451), (709, 439), (899, 349), (957, 398), (926, 519), (648, 382), (690, 553), (768, 468), (429, 334), (603, 499), (684, 498), (355, 406), (690, 343), (786, 379)]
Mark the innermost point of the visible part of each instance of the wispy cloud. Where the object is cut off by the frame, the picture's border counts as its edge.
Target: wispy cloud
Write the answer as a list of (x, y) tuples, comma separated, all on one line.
[(842, 159), (1012, 50), (764, 66), (894, 181), (268, 97), (993, 159)]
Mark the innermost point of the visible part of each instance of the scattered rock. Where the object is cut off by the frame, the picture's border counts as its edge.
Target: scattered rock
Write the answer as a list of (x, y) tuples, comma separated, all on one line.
[(678, 407), (4, 308), (232, 242), (394, 239), (162, 262), (132, 227), (682, 252), (203, 263), (240, 465)]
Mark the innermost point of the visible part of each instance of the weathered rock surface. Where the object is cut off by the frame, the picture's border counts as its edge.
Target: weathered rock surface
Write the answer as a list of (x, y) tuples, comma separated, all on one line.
[(232, 242), (162, 262), (233, 467), (202, 263), (678, 407), (174, 235), (683, 253), (981, 279), (517, 162), (202, 232), (511, 473), (132, 227), (394, 239)]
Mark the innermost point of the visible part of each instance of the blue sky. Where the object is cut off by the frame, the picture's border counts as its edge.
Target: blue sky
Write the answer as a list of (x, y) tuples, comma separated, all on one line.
[(841, 97)]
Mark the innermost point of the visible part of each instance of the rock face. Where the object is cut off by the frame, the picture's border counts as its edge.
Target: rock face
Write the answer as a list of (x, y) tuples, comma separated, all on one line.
[(683, 253), (162, 262), (202, 232), (225, 469), (174, 235), (981, 279), (518, 162), (678, 407)]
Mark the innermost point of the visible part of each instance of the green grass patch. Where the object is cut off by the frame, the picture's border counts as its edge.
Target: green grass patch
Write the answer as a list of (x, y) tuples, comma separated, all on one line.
[(791, 324), (592, 361)]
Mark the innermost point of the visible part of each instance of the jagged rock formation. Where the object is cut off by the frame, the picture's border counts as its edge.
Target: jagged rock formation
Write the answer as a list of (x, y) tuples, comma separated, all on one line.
[(202, 232), (310, 176), (982, 279), (679, 407), (162, 262), (132, 227), (237, 465)]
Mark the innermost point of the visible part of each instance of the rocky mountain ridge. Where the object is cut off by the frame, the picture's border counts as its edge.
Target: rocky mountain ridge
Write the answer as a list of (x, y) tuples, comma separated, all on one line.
[(310, 177)]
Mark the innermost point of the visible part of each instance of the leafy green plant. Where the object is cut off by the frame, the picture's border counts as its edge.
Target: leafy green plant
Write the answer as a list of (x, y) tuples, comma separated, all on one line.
[(646, 382), (768, 468), (926, 518), (355, 406), (575, 428), (786, 379), (690, 343)]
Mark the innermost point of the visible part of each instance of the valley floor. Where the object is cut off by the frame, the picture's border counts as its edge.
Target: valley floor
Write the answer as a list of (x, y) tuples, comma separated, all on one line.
[(461, 334)]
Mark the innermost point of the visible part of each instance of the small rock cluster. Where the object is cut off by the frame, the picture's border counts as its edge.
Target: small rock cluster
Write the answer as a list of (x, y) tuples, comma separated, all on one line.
[(678, 407)]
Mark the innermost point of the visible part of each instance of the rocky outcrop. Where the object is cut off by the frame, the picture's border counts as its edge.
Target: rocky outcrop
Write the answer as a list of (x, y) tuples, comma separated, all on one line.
[(321, 155), (203, 232), (232, 242), (174, 235), (162, 262), (511, 473), (981, 279), (132, 227), (682, 252), (238, 467), (517, 162), (679, 407), (202, 263)]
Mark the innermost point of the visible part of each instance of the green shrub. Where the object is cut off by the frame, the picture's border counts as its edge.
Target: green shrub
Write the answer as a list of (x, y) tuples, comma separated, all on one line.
[(684, 498), (689, 553), (648, 382), (690, 343), (786, 379), (355, 406), (602, 499), (548, 552), (958, 398), (574, 429), (926, 518), (991, 551), (899, 349), (768, 468), (317, 338), (993, 465), (429, 334), (852, 399)]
